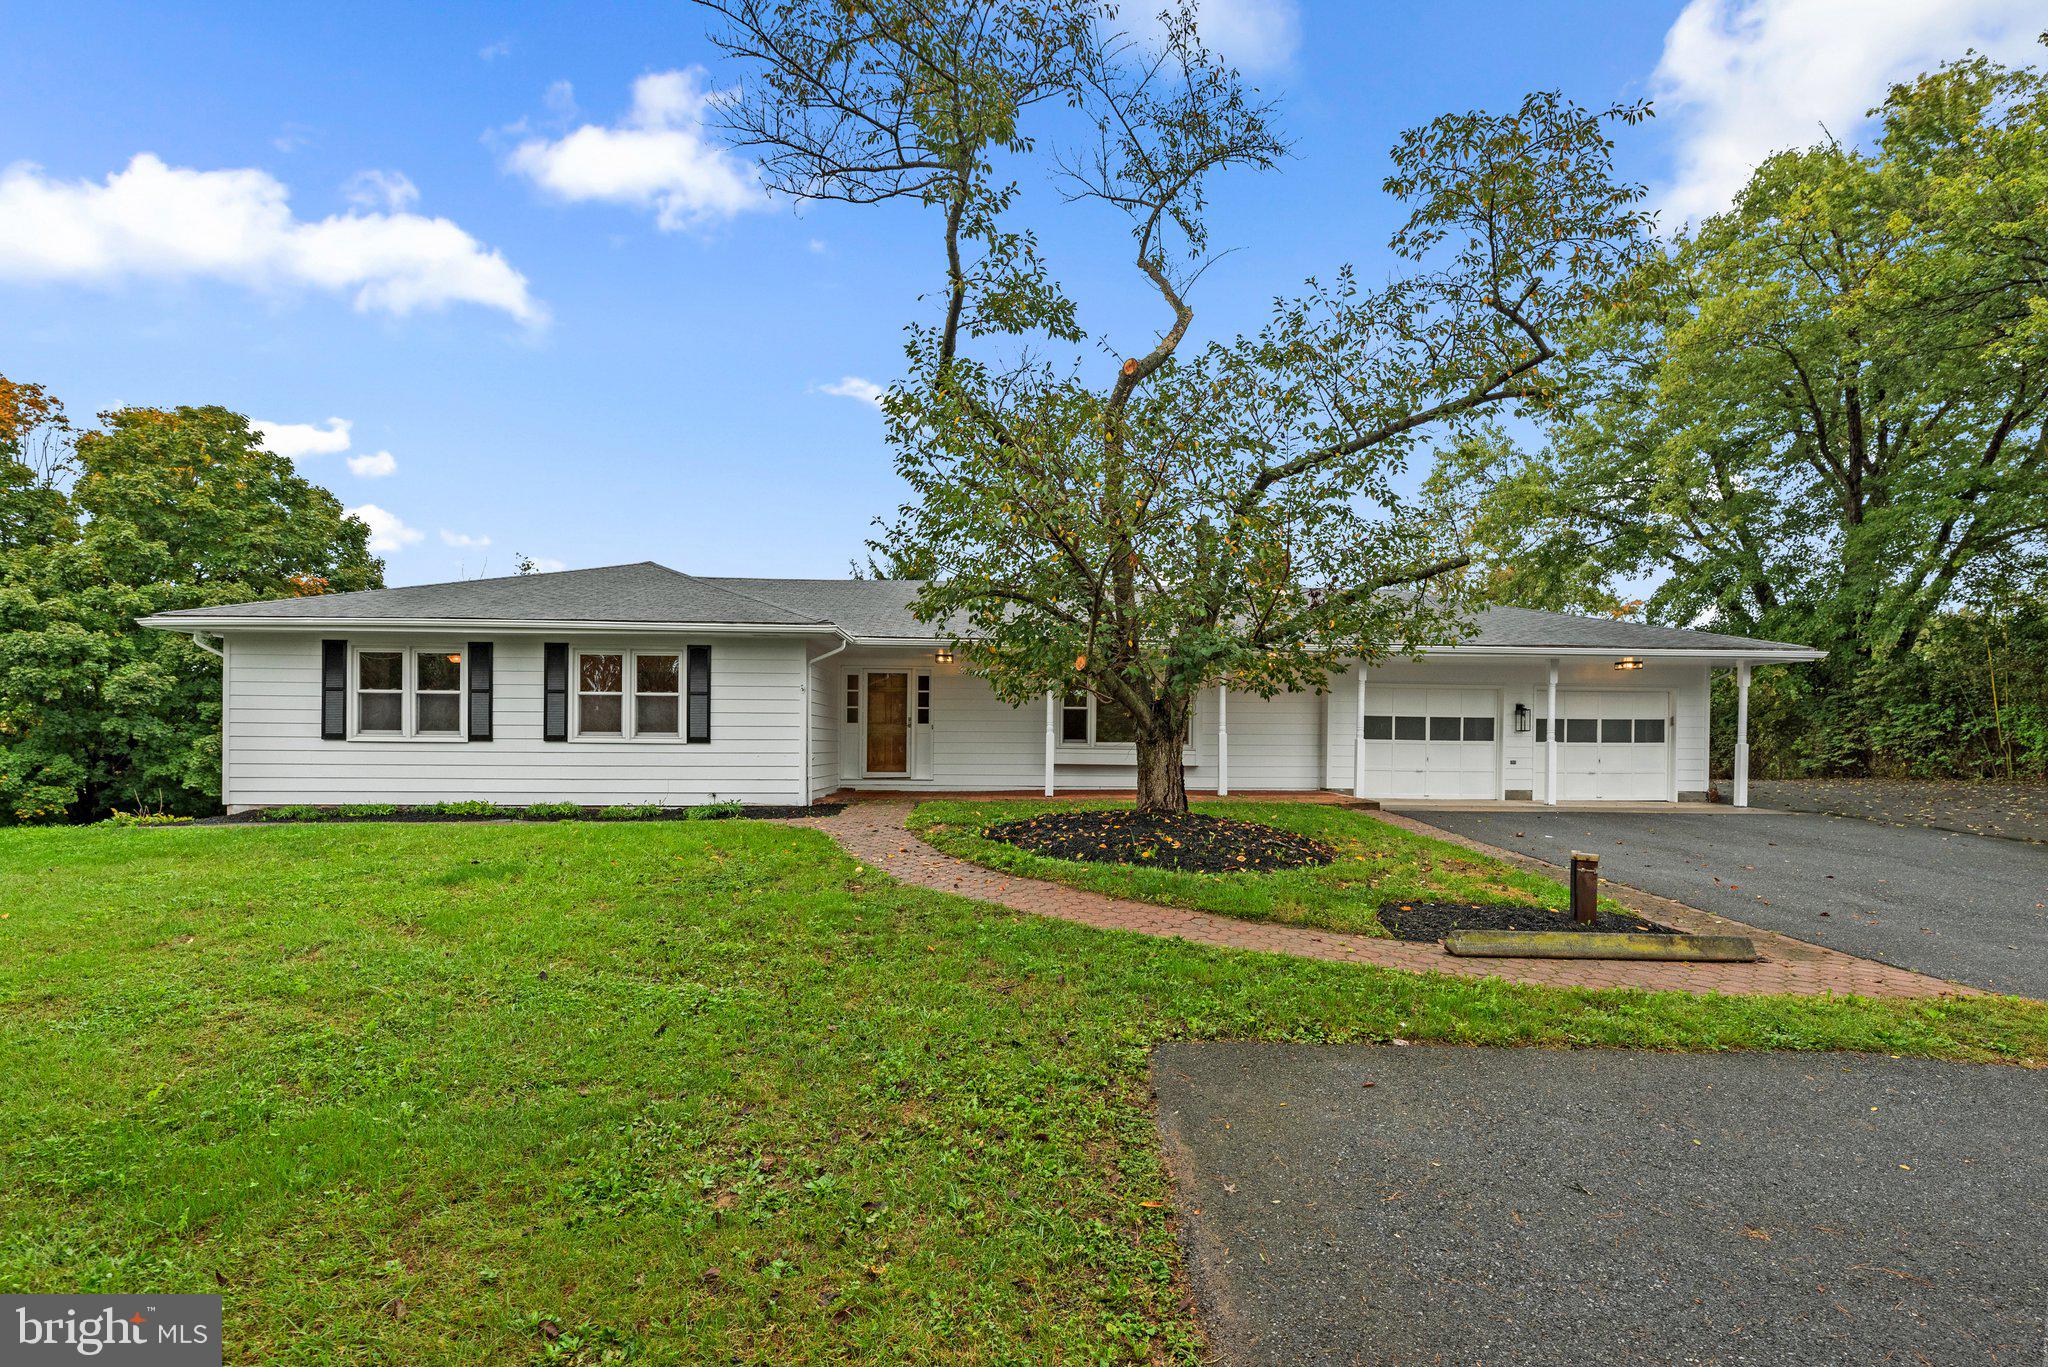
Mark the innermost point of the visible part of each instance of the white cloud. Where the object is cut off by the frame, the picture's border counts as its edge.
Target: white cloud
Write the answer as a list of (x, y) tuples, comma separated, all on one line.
[(388, 531), (854, 387), (462, 539), (1254, 35), (154, 221), (491, 52), (297, 440), (388, 190), (372, 465), (546, 564), (658, 157), (1745, 78)]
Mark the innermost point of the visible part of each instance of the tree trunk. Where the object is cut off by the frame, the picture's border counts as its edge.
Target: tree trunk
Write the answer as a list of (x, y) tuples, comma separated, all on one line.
[(1162, 777)]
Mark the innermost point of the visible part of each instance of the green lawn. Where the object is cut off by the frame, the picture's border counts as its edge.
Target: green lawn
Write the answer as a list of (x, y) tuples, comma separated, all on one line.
[(1376, 864), (685, 1092)]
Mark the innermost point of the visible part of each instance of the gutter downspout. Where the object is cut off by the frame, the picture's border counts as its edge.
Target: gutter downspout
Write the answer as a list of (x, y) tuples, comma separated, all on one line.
[(199, 639), (845, 642)]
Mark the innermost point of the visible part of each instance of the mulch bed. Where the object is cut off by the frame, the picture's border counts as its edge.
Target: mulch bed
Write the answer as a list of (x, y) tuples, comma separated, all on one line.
[(1428, 922), (1190, 843)]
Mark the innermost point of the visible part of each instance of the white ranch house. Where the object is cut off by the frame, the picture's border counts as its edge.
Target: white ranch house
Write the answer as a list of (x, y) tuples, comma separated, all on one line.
[(640, 684)]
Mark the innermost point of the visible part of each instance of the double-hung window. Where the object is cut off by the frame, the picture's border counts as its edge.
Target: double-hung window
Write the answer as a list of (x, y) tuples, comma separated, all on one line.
[(657, 694), (437, 692), (380, 692), (629, 694), (408, 693)]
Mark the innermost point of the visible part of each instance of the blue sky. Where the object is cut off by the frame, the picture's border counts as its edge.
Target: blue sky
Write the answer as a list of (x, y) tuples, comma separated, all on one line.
[(553, 318)]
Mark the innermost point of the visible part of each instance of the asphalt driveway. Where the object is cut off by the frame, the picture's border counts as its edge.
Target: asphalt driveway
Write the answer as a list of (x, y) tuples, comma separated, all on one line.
[(1376, 1204), (1968, 908)]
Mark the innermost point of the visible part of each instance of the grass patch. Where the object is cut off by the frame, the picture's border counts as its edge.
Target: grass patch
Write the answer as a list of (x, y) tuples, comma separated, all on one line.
[(666, 1091), (1376, 864)]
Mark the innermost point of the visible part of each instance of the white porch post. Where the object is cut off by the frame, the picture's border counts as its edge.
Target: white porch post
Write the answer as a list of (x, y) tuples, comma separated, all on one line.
[(1222, 740), (1550, 743), (1052, 716), (1358, 739), (1742, 734)]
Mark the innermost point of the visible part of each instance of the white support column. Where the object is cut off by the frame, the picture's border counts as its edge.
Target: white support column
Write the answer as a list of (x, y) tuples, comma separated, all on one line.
[(1222, 740), (1358, 739), (1550, 729), (1742, 734), (1052, 716)]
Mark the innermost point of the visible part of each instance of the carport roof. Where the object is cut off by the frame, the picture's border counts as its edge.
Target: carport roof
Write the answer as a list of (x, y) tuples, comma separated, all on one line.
[(874, 610)]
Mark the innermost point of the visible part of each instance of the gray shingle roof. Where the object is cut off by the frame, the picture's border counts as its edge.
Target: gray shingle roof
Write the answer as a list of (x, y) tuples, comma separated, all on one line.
[(863, 608), (645, 592)]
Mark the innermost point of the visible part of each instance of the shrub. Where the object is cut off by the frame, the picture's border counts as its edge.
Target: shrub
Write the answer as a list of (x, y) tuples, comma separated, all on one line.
[(291, 811), (144, 819), (641, 812), (368, 809), (550, 811), (714, 811), (471, 807)]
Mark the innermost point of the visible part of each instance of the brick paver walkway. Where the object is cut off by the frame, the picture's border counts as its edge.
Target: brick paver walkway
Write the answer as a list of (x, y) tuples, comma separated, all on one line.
[(874, 832)]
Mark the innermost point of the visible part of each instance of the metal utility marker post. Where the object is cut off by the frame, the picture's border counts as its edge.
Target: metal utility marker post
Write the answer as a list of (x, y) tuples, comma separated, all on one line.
[(1585, 886)]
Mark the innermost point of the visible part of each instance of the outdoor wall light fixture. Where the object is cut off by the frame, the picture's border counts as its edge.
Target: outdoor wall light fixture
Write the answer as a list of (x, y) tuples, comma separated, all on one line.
[(1628, 662), (944, 657), (1521, 717)]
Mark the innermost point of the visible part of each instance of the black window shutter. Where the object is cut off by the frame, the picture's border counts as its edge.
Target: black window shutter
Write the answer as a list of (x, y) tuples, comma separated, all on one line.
[(334, 690), (700, 693), (480, 663), (554, 712)]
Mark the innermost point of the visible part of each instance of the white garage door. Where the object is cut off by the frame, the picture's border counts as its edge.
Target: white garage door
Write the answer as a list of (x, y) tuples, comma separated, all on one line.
[(1615, 746), (1432, 742)]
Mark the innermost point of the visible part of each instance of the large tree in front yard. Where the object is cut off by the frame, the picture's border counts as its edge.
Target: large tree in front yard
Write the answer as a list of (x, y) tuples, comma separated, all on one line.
[(1146, 521)]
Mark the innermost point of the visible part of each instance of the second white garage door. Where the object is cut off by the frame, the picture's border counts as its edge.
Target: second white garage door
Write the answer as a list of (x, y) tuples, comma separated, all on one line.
[(1432, 742), (1615, 746)]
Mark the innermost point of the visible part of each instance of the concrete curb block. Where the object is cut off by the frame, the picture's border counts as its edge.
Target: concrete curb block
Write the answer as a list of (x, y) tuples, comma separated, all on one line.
[(1566, 944)]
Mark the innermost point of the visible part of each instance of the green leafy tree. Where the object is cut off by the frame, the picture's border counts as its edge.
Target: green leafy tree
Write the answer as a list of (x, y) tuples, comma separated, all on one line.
[(151, 511), (1147, 522), (1820, 415)]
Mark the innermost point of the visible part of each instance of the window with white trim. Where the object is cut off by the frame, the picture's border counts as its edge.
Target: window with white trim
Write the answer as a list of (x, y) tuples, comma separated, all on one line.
[(601, 694), (380, 692), (657, 694), (414, 693), (628, 695), (437, 692)]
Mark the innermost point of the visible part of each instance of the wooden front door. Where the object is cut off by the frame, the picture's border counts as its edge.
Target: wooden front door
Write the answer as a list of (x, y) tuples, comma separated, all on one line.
[(888, 723)]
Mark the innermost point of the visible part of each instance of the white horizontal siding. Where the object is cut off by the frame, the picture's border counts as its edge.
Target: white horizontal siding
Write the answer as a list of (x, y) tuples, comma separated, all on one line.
[(274, 753), (1277, 742), (827, 704)]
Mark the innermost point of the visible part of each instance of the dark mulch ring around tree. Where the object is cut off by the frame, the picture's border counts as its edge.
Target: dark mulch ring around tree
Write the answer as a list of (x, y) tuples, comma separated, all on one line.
[(1428, 922), (1188, 842)]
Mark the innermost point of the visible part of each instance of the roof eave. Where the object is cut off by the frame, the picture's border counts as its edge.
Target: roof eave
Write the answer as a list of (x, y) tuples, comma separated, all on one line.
[(164, 622)]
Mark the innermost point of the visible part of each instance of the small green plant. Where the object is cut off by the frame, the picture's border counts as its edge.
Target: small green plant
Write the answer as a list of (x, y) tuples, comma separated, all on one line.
[(714, 811), (296, 811), (144, 819), (368, 809), (641, 812), (550, 811), (470, 807)]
